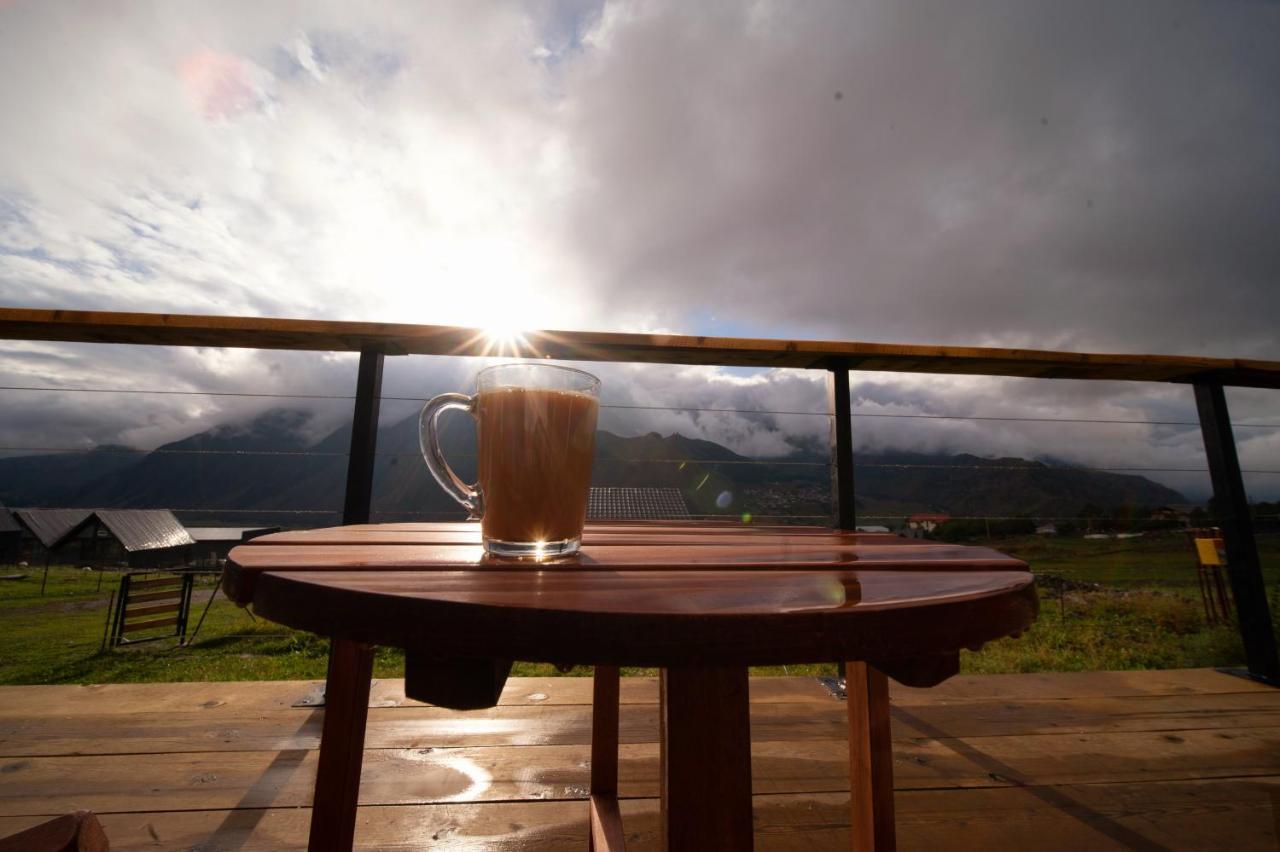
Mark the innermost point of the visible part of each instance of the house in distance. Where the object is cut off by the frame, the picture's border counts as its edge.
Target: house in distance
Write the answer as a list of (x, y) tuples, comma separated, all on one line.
[(138, 538), (927, 521), (212, 544), (10, 536)]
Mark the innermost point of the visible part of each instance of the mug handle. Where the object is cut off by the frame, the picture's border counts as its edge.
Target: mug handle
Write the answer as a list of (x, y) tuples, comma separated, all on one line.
[(429, 440)]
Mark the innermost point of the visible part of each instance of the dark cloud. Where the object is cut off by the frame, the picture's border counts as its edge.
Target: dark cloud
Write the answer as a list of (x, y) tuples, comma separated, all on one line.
[(1077, 175)]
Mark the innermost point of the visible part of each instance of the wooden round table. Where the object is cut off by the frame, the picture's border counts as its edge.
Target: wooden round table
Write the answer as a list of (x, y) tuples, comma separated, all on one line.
[(699, 602)]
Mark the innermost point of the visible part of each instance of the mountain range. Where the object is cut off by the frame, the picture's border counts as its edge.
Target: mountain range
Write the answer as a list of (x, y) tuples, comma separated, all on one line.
[(267, 471)]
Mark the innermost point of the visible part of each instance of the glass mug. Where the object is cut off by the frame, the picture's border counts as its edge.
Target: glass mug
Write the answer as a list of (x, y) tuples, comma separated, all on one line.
[(535, 439)]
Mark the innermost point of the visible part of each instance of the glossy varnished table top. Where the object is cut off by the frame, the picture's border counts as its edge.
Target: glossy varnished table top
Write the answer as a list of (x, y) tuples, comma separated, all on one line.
[(643, 594)]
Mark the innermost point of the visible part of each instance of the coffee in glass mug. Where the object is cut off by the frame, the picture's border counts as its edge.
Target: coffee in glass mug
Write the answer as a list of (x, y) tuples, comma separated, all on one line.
[(535, 439)]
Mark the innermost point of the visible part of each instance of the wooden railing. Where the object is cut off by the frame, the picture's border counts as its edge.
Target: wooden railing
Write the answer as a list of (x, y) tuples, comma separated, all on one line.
[(375, 341)]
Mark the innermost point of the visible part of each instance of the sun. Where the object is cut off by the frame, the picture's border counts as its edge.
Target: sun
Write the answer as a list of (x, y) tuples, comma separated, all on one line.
[(504, 330), (504, 340)]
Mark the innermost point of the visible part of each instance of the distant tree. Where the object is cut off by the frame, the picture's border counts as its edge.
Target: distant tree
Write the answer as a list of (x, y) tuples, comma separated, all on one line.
[(1266, 516), (973, 529), (1008, 527), (1093, 518), (960, 530)]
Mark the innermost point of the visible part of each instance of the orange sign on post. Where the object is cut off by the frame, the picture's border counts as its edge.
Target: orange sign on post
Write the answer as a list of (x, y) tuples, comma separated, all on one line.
[(1209, 551)]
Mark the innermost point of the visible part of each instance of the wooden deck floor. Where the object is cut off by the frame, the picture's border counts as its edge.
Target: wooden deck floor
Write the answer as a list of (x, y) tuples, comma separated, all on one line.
[(1149, 760)]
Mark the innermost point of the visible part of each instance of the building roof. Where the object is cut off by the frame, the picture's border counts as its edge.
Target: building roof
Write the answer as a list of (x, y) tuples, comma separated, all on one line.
[(225, 533), (144, 529), (8, 523), (635, 504), (51, 526), (928, 516)]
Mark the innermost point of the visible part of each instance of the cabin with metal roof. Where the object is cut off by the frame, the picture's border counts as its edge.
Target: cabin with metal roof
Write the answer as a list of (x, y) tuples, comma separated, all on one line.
[(10, 535), (45, 532), (212, 544), (123, 537)]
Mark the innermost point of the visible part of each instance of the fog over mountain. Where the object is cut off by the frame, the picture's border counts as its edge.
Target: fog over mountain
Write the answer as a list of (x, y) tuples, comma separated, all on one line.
[(268, 471)]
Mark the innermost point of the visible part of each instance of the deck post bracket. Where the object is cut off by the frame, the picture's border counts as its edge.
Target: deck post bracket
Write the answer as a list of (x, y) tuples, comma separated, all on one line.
[(1232, 505)]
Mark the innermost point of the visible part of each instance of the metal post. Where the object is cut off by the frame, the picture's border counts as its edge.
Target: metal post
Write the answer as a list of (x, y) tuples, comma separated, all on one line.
[(842, 455), (1232, 503), (217, 585), (841, 448), (364, 438)]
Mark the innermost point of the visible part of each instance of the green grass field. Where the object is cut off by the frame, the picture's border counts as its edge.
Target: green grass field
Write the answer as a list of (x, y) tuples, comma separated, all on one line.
[(1146, 614)]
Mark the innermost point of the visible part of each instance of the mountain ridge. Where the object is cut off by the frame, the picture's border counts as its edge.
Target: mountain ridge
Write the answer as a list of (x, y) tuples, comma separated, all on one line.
[(266, 469)]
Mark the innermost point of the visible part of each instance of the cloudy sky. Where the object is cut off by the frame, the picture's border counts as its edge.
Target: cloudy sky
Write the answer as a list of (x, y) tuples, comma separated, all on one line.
[(1091, 176)]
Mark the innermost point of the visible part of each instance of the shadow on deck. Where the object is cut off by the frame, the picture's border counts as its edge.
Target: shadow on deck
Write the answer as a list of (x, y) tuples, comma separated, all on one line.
[(1124, 760)]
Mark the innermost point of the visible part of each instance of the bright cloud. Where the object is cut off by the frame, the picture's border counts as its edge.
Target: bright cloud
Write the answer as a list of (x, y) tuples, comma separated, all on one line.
[(1006, 173)]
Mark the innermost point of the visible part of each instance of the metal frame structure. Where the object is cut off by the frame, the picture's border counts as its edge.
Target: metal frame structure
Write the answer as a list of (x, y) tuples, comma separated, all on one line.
[(374, 341), (156, 596)]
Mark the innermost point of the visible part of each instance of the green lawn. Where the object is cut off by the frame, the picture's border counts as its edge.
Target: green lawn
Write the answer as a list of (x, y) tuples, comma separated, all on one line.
[(1146, 614)]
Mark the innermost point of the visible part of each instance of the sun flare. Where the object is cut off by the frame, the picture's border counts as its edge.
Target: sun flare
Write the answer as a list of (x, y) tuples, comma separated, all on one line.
[(504, 338)]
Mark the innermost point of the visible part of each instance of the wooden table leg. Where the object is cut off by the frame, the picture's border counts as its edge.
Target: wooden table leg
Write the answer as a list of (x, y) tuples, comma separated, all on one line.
[(606, 820), (706, 759), (870, 759), (346, 707)]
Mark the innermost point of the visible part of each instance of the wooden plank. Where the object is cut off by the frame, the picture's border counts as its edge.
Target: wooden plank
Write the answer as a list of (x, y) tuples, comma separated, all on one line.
[(249, 562), (1226, 814), (212, 700), (1045, 685), (397, 338), (153, 624), (108, 783), (591, 538), (1082, 715), (53, 733), (421, 727), (156, 583), (745, 553), (660, 563), (139, 611), (631, 527), (155, 596), (1206, 815), (234, 696), (643, 618)]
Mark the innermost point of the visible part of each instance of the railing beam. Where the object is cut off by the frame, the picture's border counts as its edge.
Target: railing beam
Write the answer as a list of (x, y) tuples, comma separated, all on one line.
[(402, 339), (1232, 503), (841, 447)]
